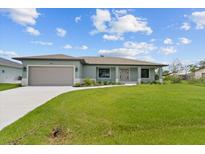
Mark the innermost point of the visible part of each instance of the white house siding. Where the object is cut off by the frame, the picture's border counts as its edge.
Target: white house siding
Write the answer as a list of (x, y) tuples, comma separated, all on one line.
[(151, 75), (198, 74), (9, 74)]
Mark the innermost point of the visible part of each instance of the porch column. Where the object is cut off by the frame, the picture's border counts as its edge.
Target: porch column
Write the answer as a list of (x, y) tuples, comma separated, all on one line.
[(139, 75), (160, 75), (117, 74)]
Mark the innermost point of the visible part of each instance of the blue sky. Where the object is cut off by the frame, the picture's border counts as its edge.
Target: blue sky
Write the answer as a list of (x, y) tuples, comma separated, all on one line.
[(159, 35)]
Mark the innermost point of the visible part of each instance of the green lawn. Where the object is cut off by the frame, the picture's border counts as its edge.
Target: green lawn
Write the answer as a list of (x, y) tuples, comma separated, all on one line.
[(145, 114), (6, 86)]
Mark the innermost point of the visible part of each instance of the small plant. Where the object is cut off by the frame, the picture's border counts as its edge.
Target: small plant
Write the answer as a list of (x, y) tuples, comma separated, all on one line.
[(176, 79), (105, 82), (78, 84), (88, 82)]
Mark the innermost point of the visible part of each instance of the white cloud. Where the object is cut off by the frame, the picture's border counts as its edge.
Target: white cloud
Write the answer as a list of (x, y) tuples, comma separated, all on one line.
[(8, 54), (67, 46), (168, 41), (23, 17), (130, 23), (129, 50), (168, 50), (32, 31), (100, 19), (119, 12), (105, 22), (152, 40), (199, 19), (42, 43), (143, 46), (185, 26), (77, 19), (60, 32), (112, 37), (83, 47), (184, 40)]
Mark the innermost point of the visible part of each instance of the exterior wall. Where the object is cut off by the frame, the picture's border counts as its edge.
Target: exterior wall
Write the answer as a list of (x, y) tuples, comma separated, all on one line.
[(10, 75), (151, 75), (198, 74), (90, 71), (133, 74), (77, 64), (112, 76)]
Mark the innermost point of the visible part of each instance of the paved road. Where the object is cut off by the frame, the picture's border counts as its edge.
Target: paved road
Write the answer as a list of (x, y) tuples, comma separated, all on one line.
[(15, 103)]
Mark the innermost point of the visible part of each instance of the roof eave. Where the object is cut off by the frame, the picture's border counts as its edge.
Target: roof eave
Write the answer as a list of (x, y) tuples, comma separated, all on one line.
[(162, 65), (22, 58)]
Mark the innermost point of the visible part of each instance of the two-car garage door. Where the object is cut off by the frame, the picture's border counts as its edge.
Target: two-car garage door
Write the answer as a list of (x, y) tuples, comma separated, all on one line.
[(50, 75)]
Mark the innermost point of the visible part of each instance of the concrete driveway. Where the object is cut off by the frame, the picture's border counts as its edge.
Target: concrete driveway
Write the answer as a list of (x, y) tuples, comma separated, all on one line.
[(17, 102)]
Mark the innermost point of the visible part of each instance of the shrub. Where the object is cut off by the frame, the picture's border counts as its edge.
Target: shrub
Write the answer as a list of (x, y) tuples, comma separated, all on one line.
[(105, 82), (78, 84), (155, 82), (197, 81), (176, 79), (167, 78), (100, 82), (88, 82)]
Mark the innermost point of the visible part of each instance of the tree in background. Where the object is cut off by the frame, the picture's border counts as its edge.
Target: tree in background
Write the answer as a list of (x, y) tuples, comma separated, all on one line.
[(202, 64), (176, 66)]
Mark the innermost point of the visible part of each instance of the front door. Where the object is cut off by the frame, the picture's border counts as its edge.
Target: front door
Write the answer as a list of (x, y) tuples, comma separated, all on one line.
[(124, 74)]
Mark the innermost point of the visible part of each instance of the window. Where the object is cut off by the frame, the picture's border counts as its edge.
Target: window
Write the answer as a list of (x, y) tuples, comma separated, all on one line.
[(145, 73), (104, 73)]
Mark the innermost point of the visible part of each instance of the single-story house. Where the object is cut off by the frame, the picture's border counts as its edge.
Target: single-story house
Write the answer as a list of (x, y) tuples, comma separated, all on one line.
[(10, 72), (200, 73), (63, 70)]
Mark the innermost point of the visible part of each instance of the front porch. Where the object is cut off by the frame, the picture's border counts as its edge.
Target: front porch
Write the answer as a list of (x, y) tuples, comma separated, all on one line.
[(129, 74)]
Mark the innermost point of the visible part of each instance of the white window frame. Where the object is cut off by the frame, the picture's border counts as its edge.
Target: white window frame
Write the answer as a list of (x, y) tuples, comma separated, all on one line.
[(103, 68)]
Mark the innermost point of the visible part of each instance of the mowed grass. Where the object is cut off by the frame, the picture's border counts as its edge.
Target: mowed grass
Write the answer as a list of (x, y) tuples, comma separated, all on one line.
[(145, 114), (6, 86)]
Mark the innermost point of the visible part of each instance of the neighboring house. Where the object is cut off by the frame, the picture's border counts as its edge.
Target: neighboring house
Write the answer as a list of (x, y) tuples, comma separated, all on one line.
[(200, 73), (10, 72), (59, 69)]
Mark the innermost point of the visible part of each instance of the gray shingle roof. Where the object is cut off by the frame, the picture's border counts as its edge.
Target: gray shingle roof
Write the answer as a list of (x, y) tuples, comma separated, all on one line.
[(117, 61), (48, 57), (9, 63), (92, 60)]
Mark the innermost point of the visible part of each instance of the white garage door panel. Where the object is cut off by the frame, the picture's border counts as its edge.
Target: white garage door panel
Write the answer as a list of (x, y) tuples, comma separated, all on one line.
[(50, 76)]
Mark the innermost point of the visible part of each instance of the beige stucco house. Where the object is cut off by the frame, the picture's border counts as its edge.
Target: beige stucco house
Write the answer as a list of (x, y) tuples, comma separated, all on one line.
[(63, 70), (200, 73)]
